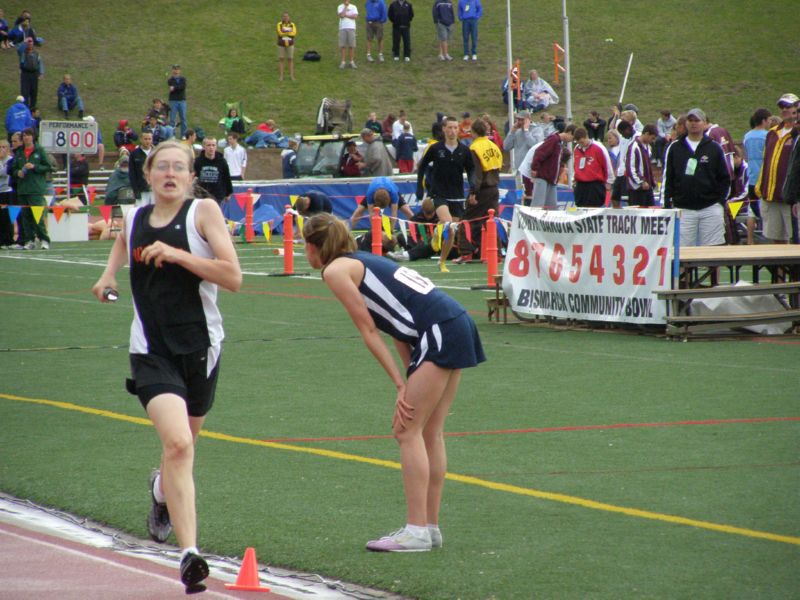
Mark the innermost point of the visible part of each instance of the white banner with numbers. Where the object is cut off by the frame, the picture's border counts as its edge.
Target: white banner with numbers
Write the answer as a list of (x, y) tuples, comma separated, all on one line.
[(590, 264), (69, 137)]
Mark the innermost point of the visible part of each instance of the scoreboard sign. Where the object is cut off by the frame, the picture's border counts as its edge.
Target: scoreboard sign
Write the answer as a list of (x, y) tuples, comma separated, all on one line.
[(69, 137)]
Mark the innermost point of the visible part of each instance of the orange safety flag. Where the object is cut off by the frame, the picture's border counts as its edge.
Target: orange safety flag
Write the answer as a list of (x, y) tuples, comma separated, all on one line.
[(105, 210), (58, 212)]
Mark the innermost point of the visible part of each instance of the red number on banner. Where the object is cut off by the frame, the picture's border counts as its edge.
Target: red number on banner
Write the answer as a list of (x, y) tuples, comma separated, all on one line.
[(596, 264), (74, 139), (577, 263), (538, 248), (557, 262), (88, 139), (518, 266), (642, 257), (619, 274), (662, 254)]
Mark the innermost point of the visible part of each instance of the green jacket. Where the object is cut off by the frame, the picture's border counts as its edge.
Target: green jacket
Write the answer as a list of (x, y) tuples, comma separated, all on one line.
[(34, 183)]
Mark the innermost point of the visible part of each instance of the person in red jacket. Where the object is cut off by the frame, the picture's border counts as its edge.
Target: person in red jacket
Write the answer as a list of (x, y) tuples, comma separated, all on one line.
[(594, 172), (546, 166)]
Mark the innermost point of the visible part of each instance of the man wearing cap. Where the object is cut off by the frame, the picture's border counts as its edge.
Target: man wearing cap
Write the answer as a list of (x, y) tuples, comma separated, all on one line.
[(697, 181), (177, 98), (522, 137), (638, 170), (31, 68), (776, 212), (18, 117), (376, 158)]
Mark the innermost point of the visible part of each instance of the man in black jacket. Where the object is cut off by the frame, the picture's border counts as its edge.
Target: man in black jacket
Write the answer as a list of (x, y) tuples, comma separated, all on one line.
[(211, 170), (401, 14), (139, 185), (697, 181)]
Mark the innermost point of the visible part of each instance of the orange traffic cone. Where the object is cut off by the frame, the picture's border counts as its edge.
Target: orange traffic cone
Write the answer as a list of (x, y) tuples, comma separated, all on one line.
[(247, 581)]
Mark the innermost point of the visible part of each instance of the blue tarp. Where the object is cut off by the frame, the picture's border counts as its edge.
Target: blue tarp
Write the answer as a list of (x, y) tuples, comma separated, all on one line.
[(344, 194)]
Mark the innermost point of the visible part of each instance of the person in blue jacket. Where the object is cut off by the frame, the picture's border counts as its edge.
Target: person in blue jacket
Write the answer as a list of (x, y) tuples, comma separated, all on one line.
[(68, 97), (435, 339), (18, 117), (469, 13), (376, 17)]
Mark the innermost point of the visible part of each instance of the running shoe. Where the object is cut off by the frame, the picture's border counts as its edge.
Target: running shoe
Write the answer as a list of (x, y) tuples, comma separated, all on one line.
[(194, 569), (158, 524), (401, 256), (401, 540), (464, 258), (436, 537)]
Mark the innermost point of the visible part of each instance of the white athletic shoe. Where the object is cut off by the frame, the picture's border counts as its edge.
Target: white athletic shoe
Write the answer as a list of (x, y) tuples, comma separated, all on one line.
[(441, 57), (407, 59), (45, 245), (436, 537), (448, 57), (466, 57), (342, 65), (401, 256), (369, 58), (353, 64), (380, 57), (401, 540), (474, 57)]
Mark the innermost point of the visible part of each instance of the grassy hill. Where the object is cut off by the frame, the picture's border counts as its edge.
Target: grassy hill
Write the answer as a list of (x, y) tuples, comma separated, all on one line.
[(727, 57)]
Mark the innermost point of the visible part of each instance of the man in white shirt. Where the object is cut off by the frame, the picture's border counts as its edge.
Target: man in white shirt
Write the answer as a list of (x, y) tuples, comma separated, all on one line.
[(348, 14), (236, 157), (397, 126)]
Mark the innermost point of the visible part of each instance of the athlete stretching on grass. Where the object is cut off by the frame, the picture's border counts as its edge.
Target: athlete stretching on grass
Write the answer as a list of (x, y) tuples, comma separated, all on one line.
[(179, 250), (435, 338)]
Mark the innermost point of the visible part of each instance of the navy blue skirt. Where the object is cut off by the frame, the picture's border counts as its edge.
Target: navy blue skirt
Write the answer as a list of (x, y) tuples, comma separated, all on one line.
[(452, 344)]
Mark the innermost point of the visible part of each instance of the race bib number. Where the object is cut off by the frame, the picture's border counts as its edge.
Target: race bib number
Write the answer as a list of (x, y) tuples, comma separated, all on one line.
[(582, 163), (414, 280)]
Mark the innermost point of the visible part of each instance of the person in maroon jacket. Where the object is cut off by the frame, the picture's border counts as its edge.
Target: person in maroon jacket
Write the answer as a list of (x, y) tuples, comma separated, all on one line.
[(546, 166), (594, 172), (638, 170)]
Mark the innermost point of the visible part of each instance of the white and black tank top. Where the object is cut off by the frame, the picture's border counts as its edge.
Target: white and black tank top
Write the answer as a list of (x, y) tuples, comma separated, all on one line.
[(175, 311)]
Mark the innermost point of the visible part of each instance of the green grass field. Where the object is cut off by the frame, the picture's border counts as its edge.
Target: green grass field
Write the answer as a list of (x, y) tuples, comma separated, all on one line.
[(728, 57), (582, 464)]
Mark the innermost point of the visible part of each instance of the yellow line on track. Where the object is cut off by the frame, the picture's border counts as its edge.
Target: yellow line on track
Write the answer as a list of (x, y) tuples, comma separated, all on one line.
[(466, 479)]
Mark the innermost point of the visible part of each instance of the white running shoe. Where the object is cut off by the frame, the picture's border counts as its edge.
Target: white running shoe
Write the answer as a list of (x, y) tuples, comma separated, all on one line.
[(441, 57), (466, 57), (474, 57), (342, 65), (448, 57), (29, 246), (380, 57), (436, 537), (401, 540), (401, 256), (45, 245), (353, 64), (407, 59), (369, 58)]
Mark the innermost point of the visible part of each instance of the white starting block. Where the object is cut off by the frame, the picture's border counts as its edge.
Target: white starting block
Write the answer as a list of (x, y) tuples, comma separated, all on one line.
[(73, 227)]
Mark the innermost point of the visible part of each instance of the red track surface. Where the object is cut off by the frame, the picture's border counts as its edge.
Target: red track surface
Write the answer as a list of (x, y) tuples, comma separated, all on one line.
[(39, 566)]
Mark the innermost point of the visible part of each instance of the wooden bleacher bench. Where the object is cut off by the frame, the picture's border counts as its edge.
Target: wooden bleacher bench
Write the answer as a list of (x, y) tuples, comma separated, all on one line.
[(679, 322), (98, 179)]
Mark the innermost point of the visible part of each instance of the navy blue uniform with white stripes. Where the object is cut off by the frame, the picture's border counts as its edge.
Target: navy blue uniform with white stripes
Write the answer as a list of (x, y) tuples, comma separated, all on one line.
[(408, 307)]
